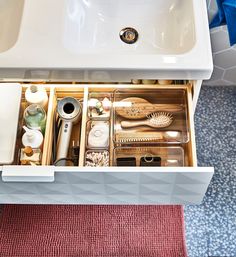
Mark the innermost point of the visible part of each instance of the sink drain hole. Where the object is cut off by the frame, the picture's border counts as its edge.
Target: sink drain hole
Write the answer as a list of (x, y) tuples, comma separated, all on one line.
[(129, 35)]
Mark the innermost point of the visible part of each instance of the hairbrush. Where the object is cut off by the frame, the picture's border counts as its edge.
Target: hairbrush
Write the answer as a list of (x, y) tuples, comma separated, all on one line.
[(154, 120), (139, 108)]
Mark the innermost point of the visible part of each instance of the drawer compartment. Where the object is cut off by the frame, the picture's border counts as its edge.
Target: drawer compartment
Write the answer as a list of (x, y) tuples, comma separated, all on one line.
[(165, 171), (149, 156), (150, 116)]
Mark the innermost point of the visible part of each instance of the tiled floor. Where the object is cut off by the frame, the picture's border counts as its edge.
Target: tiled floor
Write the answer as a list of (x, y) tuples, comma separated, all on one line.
[(211, 226)]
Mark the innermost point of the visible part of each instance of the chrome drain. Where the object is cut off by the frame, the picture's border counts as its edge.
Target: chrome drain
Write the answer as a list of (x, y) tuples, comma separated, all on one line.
[(129, 35)]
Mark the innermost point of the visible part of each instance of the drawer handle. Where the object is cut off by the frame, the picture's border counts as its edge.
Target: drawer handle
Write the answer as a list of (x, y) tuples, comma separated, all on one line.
[(28, 174)]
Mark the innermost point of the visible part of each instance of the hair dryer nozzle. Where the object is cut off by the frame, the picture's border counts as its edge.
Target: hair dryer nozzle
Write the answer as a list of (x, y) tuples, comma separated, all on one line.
[(69, 109)]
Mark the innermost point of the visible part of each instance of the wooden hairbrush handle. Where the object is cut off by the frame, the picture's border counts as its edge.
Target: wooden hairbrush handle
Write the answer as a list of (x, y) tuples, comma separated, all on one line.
[(132, 124)]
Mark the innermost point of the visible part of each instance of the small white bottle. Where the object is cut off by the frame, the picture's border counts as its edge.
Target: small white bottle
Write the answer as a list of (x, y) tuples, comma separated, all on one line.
[(36, 94), (32, 138)]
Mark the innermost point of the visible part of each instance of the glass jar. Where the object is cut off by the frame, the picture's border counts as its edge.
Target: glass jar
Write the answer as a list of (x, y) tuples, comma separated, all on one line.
[(35, 117)]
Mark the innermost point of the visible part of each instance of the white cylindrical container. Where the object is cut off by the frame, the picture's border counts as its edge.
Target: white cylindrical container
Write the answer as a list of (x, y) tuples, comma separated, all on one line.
[(32, 138), (36, 94), (99, 135)]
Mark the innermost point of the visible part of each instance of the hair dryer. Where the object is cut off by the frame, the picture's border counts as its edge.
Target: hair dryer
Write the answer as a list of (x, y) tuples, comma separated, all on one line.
[(69, 110)]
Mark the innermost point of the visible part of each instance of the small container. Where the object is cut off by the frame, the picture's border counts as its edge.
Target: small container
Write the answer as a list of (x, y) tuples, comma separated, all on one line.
[(149, 156), (36, 94), (99, 106), (30, 156), (149, 81), (35, 117), (164, 82), (150, 161), (98, 134), (136, 81), (32, 138), (97, 158), (137, 106), (126, 161)]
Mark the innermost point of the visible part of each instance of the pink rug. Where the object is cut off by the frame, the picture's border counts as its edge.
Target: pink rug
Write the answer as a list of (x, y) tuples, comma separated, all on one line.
[(88, 231)]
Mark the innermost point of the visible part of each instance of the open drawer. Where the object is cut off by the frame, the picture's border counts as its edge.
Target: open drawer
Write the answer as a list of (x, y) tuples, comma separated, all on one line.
[(175, 180)]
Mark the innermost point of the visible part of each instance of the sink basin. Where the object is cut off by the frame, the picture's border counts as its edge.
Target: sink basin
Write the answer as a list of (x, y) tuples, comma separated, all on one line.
[(164, 27), (10, 19), (87, 40)]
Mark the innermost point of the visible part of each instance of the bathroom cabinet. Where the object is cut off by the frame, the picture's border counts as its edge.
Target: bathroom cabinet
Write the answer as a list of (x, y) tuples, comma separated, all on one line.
[(48, 184), (78, 50)]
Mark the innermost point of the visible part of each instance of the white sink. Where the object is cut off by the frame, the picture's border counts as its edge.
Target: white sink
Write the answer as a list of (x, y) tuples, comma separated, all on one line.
[(80, 40), (10, 19), (164, 27)]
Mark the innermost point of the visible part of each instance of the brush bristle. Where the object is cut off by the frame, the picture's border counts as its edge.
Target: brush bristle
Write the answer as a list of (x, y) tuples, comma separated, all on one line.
[(161, 119)]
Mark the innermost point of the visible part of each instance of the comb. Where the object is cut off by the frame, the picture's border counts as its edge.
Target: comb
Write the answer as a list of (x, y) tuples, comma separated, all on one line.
[(138, 137)]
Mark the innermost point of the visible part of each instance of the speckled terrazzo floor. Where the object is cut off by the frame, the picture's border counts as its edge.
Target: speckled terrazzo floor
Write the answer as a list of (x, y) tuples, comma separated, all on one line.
[(211, 226)]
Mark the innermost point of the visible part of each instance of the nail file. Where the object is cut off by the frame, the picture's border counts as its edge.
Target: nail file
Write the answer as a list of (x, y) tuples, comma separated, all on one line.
[(10, 100)]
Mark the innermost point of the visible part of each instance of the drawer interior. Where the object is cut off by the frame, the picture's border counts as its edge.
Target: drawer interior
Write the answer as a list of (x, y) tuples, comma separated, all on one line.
[(163, 112), (102, 140)]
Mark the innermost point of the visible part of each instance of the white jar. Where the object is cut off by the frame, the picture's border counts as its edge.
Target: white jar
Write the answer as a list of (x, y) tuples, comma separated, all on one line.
[(99, 135), (32, 138), (36, 94)]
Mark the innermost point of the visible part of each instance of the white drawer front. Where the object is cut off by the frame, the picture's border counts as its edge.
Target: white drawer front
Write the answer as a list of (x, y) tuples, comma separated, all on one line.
[(48, 184), (108, 186)]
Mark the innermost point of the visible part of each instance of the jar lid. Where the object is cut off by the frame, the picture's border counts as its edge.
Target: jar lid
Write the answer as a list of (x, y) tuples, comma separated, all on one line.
[(33, 88), (32, 109), (28, 151)]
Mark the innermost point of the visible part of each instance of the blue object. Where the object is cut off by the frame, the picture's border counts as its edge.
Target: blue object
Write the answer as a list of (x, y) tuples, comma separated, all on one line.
[(226, 15)]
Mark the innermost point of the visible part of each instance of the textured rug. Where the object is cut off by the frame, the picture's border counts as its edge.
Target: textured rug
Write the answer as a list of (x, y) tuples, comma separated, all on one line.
[(87, 231)]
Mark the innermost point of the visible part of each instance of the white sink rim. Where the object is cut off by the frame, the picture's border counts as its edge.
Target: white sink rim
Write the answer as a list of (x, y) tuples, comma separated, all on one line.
[(29, 51), (10, 19)]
